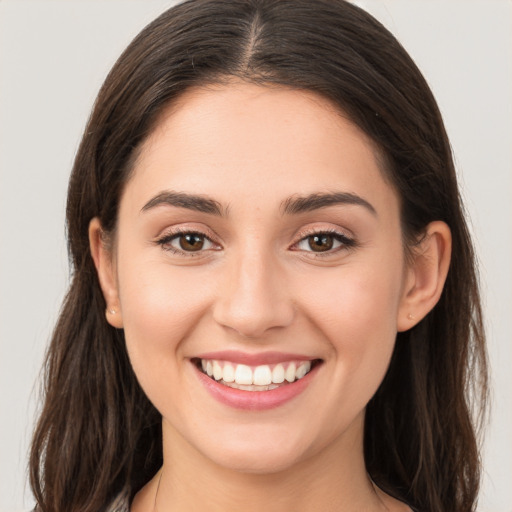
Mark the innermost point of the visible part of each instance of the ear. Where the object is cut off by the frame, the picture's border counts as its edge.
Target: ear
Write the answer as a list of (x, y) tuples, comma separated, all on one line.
[(104, 263), (425, 275)]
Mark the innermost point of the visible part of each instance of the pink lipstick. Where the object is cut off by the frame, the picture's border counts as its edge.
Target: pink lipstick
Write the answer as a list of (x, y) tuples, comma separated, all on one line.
[(255, 381)]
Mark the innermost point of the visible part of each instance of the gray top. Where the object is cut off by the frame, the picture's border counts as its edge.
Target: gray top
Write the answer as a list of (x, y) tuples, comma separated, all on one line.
[(120, 504)]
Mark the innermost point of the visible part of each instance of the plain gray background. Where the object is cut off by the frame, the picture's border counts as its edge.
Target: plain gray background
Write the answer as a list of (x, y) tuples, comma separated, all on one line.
[(54, 56)]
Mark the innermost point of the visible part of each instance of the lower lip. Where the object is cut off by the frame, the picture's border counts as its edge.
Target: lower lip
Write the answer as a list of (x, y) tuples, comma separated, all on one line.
[(255, 400)]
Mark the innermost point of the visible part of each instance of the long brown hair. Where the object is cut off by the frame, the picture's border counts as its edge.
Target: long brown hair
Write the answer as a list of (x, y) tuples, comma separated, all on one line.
[(98, 434)]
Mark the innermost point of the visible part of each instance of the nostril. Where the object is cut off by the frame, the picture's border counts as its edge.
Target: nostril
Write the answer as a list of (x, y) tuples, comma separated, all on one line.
[(251, 310)]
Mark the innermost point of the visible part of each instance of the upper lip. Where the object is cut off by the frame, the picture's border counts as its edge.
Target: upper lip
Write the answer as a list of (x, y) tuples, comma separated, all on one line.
[(249, 359)]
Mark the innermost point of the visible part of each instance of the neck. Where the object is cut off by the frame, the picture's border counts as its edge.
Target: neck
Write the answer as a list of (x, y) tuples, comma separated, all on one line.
[(332, 479)]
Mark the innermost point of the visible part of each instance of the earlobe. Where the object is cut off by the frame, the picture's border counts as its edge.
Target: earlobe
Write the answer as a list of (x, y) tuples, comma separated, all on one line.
[(103, 261), (426, 275)]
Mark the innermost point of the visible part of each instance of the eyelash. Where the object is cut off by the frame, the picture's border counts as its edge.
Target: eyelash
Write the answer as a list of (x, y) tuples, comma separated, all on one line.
[(345, 241)]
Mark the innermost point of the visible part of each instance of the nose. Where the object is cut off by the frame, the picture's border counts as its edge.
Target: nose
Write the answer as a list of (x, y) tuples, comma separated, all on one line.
[(253, 297)]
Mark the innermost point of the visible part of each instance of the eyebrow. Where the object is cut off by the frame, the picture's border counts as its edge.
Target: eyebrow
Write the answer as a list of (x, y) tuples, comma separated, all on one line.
[(194, 202), (300, 204), (291, 206)]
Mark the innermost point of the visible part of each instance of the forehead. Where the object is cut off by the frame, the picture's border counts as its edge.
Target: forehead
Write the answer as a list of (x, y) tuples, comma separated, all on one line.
[(248, 142)]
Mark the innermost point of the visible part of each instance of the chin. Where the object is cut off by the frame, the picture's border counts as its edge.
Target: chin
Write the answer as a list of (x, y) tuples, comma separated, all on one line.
[(261, 452), (256, 462)]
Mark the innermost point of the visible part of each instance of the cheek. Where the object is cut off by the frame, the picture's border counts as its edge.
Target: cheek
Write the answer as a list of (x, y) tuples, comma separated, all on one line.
[(355, 309), (161, 306), (362, 298)]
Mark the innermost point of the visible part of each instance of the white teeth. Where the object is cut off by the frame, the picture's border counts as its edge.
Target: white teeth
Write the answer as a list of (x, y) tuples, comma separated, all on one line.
[(302, 370), (243, 374), (217, 370), (228, 373), (262, 376), (278, 374), (290, 373), (251, 388)]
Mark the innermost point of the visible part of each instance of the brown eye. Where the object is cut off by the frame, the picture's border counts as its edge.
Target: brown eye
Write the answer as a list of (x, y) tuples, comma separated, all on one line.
[(186, 243), (321, 242), (191, 242), (325, 242)]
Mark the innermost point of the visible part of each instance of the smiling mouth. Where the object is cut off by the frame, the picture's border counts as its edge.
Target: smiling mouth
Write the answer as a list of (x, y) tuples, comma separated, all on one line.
[(255, 378)]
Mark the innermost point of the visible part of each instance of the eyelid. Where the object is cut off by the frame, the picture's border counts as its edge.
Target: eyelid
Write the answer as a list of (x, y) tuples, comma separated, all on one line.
[(179, 229), (172, 233), (347, 240)]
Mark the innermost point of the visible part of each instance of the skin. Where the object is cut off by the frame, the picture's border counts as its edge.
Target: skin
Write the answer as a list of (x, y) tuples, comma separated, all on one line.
[(260, 286)]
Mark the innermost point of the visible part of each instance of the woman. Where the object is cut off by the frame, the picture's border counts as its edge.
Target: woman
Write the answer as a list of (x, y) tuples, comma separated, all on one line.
[(274, 300)]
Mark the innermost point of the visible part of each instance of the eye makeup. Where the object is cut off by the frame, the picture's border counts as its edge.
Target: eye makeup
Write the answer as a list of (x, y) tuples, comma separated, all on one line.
[(188, 242)]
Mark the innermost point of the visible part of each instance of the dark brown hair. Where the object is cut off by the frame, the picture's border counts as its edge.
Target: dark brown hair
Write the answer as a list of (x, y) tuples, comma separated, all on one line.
[(98, 434)]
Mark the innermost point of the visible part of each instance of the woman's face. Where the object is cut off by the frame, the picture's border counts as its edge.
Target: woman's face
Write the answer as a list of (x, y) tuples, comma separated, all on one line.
[(258, 236)]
